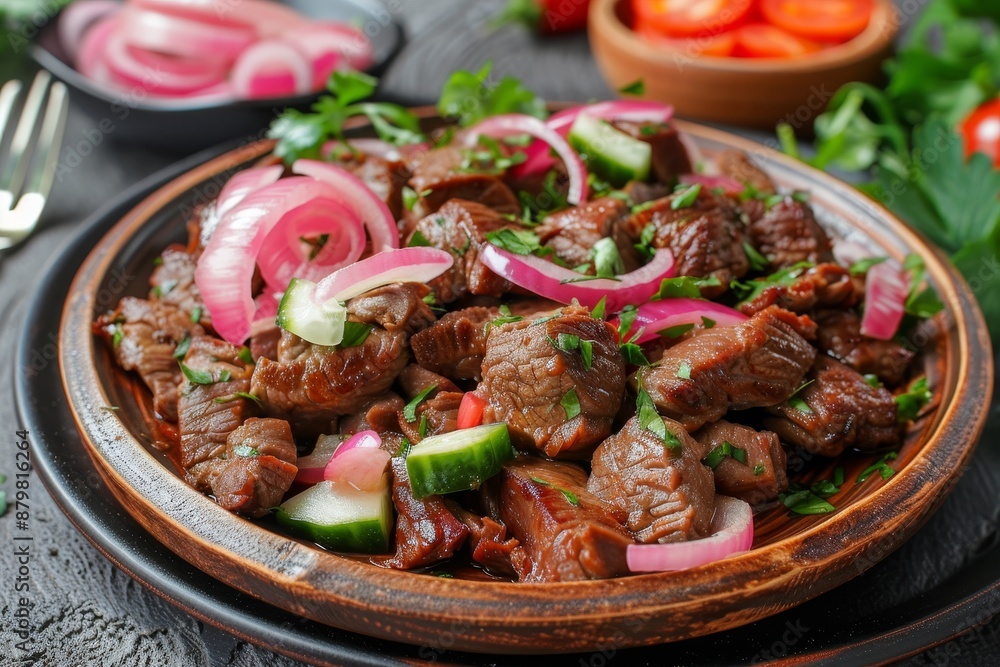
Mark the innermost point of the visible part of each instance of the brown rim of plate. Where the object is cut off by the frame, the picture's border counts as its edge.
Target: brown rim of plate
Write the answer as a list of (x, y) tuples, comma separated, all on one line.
[(504, 617), (881, 30)]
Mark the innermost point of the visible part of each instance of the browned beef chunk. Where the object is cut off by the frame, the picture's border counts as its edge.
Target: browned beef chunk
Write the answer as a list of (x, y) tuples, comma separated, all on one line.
[(568, 533), (761, 477), (640, 193), (490, 547), (396, 307), (310, 384), (824, 286), (838, 409), (573, 232), (414, 379), (454, 345), (433, 416), (147, 334), (839, 335), (259, 467), (264, 339), (381, 415), (667, 493), (440, 171), (173, 281), (208, 413), (426, 530), (757, 363), (385, 178), (737, 165), (706, 238), (460, 227), (528, 381), (670, 158), (787, 233)]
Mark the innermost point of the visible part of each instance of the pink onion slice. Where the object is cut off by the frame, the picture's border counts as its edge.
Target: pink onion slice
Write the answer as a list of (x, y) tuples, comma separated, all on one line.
[(886, 291), (184, 37), (271, 68), (161, 62), (90, 57), (77, 18), (225, 269), (359, 462), (729, 186), (403, 265), (243, 183), (659, 315), (312, 466), (374, 212), (563, 285), (539, 159), (352, 44), (131, 72), (509, 125), (212, 12), (732, 533), (266, 305)]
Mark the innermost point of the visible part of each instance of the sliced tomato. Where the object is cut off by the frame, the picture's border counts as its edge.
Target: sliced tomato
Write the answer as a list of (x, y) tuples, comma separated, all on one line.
[(820, 20), (720, 45), (470, 410), (982, 131), (761, 40), (690, 18)]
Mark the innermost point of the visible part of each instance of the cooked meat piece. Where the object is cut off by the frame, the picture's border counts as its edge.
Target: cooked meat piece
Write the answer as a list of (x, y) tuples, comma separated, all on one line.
[(757, 363), (435, 415), (761, 477), (426, 530), (490, 547), (667, 494), (568, 533), (259, 467), (264, 339), (310, 384), (460, 227), (670, 158), (396, 307), (173, 281), (825, 286), (208, 413), (640, 193), (706, 238), (526, 380), (573, 232), (788, 233), (385, 178), (147, 334), (839, 335), (454, 345), (440, 171), (414, 379), (381, 415), (737, 165), (837, 410)]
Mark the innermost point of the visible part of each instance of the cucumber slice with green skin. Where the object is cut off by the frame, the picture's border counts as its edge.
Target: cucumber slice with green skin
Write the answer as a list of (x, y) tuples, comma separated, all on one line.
[(458, 461), (341, 518), (611, 154), (322, 324)]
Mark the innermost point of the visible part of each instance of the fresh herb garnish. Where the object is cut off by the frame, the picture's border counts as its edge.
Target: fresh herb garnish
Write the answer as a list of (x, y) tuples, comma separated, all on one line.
[(684, 371), (650, 420), (597, 312), (646, 238), (749, 290), (708, 322), (410, 410), (245, 451), (411, 196), (861, 267), (182, 347), (117, 335), (472, 96), (910, 403), (238, 394), (759, 470), (505, 317), (685, 287), (196, 376), (922, 300), (493, 160), (633, 354), (796, 401), (302, 134), (686, 198), (355, 333), (607, 260), (517, 241), (626, 319), (571, 497), (570, 403), (196, 314), (675, 331), (418, 240), (637, 87), (758, 263), (881, 467), (246, 356), (804, 501), (422, 429), (723, 451), (872, 380)]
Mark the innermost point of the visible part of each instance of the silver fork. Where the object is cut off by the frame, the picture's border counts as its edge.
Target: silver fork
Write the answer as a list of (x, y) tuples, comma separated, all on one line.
[(28, 167)]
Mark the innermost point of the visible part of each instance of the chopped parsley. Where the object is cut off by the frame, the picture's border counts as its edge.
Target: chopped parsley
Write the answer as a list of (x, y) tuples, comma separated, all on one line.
[(410, 410), (239, 394), (675, 331), (708, 322), (117, 335), (686, 198), (246, 451), (750, 290), (517, 241), (490, 158), (923, 300), (637, 87), (571, 343), (759, 470), (505, 317), (633, 354), (881, 467), (422, 429), (418, 240), (726, 450), (355, 333), (758, 263), (571, 403), (492, 98), (411, 196), (607, 260), (796, 402), (195, 376), (646, 238), (571, 497), (626, 319), (872, 380), (246, 356), (597, 312), (183, 347), (684, 371), (650, 420), (196, 313), (685, 287), (910, 403)]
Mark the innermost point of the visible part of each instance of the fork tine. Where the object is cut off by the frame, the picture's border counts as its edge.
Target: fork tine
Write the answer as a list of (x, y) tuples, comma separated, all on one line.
[(16, 168), (49, 142), (8, 95)]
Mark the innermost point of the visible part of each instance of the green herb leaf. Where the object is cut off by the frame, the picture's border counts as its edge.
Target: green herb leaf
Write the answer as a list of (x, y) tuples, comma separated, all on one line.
[(418, 240), (598, 311), (804, 502), (684, 371), (607, 260), (517, 241), (633, 354), (637, 87), (422, 429), (759, 470), (246, 356), (472, 96), (687, 198), (117, 335), (881, 467), (245, 451), (410, 410), (196, 376), (570, 403), (872, 380), (758, 263), (182, 347), (750, 290), (645, 244), (196, 314), (355, 333), (861, 267), (675, 331), (505, 317), (686, 287), (910, 403), (649, 418), (707, 322), (922, 300)]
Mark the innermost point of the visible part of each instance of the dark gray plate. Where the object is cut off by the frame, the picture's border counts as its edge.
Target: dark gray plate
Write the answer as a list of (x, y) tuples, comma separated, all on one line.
[(185, 127)]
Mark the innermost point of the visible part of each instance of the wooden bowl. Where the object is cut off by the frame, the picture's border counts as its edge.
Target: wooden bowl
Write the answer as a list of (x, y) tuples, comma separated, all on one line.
[(793, 559), (740, 91)]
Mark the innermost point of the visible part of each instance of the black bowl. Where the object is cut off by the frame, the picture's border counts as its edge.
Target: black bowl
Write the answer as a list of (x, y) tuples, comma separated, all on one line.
[(181, 126)]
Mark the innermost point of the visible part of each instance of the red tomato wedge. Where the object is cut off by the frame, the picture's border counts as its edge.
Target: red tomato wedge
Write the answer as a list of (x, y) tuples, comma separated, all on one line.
[(689, 18), (760, 40), (721, 45), (982, 131), (470, 410), (820, 20)]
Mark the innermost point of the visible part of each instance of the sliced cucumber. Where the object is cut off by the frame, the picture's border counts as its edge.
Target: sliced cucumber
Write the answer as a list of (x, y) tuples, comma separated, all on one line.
[(298, 312), (611, 154), (341, 518), (458, 461)]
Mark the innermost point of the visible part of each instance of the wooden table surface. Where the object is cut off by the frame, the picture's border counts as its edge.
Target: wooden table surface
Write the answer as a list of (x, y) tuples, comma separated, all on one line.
[(86, 612)]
